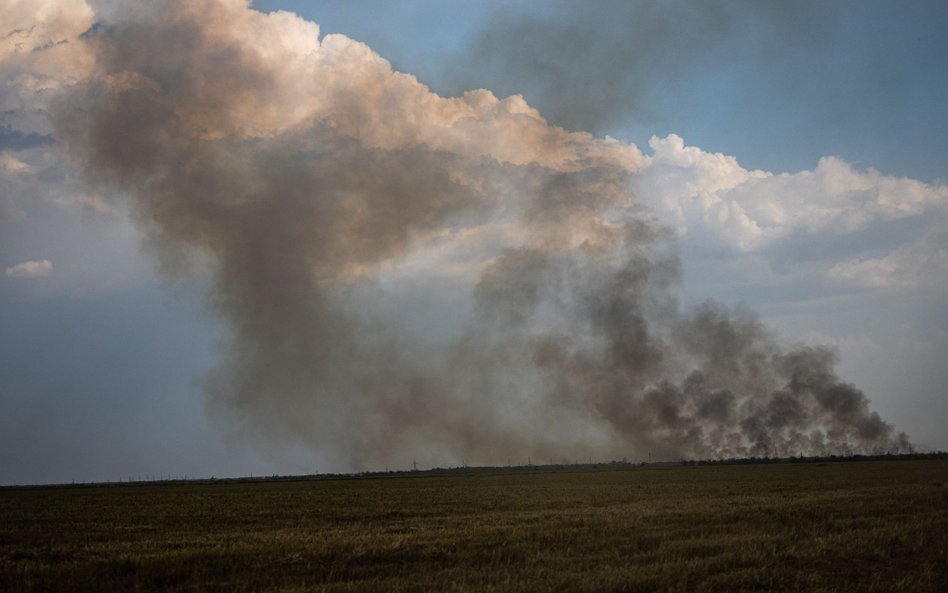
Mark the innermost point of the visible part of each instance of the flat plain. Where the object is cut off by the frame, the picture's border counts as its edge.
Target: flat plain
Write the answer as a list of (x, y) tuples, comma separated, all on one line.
[(832, 527)]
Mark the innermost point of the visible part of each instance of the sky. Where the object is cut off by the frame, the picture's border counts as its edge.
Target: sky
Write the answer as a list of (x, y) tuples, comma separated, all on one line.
[(235, 243)]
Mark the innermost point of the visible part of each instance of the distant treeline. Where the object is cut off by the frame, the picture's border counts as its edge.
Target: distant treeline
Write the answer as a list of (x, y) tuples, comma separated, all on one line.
[(533, 467), (819, 459)]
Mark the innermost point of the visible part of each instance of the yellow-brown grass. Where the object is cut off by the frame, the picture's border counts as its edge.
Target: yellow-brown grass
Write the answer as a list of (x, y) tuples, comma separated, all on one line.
[(859, 526)]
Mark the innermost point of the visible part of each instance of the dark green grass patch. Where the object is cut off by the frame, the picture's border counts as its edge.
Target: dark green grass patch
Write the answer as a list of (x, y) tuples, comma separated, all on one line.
[(862, 526)]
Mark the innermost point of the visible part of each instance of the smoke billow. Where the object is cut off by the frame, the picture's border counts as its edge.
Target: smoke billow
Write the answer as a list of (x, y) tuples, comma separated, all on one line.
[(309, 175), (595, 64)]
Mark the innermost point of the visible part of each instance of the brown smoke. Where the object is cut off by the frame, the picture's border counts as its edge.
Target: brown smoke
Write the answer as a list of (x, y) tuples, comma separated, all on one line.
[(307, 171)]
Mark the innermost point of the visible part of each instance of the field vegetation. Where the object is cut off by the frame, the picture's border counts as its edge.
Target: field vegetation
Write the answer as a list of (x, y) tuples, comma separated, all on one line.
[(877, 526)]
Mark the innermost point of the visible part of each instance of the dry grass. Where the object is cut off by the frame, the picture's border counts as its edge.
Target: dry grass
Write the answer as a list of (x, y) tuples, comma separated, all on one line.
[(869, 526)]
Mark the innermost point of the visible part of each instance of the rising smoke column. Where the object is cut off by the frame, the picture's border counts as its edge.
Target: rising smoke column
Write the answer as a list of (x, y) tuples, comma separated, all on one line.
[(305, 171)]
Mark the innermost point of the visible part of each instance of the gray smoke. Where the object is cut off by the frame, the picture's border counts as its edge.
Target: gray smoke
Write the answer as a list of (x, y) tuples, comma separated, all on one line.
[(597, 64), (304, 174)]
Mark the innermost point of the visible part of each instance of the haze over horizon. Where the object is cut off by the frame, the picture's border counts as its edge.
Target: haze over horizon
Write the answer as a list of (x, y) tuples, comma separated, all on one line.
[(238, 240)]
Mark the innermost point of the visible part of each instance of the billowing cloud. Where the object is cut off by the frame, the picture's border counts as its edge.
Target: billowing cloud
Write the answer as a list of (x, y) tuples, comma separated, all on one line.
[(40, 54), (30, 269), (312, 177), (864, 227)]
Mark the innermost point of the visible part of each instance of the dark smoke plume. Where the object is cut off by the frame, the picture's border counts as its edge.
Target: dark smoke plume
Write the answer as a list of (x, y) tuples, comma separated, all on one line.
[(309, 175), (597, 64)]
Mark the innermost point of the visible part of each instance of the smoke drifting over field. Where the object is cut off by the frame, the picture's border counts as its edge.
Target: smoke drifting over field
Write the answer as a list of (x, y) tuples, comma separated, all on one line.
[(311, 178)]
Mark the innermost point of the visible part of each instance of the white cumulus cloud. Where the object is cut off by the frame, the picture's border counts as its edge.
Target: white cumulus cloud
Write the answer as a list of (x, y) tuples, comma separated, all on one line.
[(861, 228), (40, 53), (30, 269)]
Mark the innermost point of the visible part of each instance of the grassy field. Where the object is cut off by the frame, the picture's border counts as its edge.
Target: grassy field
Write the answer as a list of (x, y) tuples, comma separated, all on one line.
[(855, 526)]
